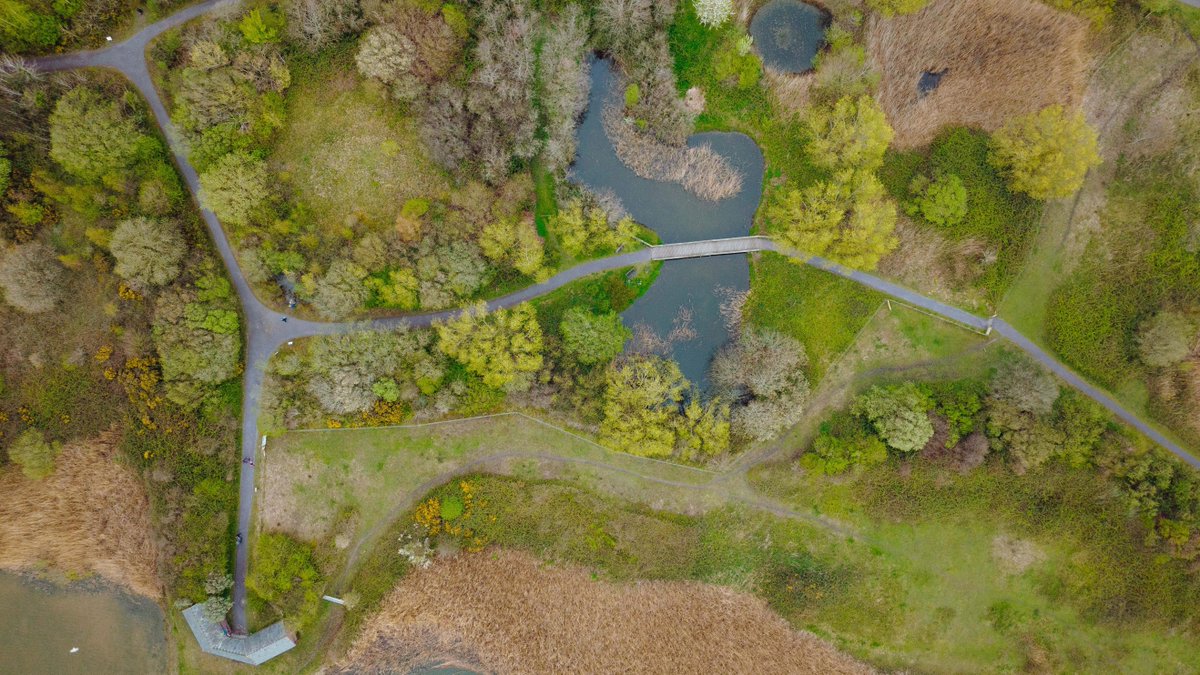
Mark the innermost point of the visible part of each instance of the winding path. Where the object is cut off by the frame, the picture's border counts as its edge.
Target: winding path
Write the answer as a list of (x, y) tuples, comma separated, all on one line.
[(266, 329)]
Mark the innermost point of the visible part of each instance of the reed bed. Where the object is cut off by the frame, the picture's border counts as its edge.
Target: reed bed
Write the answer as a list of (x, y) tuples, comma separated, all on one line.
[(91, 516), (1002, 58), (510, 613), (699, 170)]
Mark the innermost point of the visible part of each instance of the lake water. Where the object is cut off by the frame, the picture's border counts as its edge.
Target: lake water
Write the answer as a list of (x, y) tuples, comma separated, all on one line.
[(788, 34), (114, 631), (696, 286)]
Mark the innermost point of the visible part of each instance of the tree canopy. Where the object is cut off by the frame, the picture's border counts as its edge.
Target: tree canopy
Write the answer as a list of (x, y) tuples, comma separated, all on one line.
[(1046, 154), (148, 251), (853, 133), (898, 414), (504, 347), (32, 278), (593, 338), (90, 137), (235, 188), (848, 219)]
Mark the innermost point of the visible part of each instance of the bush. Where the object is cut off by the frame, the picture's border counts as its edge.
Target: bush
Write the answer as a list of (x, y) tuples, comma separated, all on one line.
[(593, 338), (260, 26), (893, 7), (34, 454), (147, 251), (284, 572), (898, 414), (1046, 154), (941, 201), (1166, 338), (32, 278), (713, 13)]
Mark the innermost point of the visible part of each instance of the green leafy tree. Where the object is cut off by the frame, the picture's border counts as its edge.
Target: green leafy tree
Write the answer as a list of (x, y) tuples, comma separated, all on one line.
[(899, 415), (515, 243), (32, 278), (942, 201), (261, 26), (236, 188), (34, 454), (504, 347), (1166, 338), (1046, 154), (341, 291), (593, 338), (641, 403), (90, 137), (848, 219), (148, 251), (284, 572), (198, 344), (583, 231), (702, 428), (23, 28), (894, 7), (853, 133)]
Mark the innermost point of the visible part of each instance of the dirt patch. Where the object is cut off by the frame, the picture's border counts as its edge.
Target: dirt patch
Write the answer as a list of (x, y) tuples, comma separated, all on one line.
[(505, 612), (91, 516), (1000, 58), (1014, 556), (292, 500)]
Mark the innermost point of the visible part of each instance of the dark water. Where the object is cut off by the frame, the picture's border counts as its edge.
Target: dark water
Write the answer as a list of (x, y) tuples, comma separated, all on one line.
[(788, 34), (677, 215), (115, 632)]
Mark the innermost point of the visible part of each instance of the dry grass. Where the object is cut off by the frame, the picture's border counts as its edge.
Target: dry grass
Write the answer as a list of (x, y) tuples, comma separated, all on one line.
[(1004, 58), (700, 170), (508, 613), (92, 516), (942, 268)]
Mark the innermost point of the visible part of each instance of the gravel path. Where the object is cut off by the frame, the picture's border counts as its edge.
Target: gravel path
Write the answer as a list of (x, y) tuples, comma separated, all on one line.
[(266, 329)]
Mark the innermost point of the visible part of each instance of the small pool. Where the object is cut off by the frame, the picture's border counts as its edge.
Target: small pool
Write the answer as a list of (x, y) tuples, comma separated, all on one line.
[(788, 34)]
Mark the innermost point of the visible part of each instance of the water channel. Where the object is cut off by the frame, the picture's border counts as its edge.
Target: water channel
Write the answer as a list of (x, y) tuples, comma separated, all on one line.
[(692, 286), (110, 630)]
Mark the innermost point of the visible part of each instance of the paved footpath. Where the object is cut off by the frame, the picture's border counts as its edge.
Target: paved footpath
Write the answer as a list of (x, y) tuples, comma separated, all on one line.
[(266, 329)]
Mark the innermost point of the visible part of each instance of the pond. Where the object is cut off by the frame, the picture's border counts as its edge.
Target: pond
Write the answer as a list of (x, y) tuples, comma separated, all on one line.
[(111, 630), (695, 287), (789, 34)]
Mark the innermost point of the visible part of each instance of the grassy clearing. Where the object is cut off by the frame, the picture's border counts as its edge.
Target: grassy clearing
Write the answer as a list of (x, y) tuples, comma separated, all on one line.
[(346, 148), (822, 311), (1084, 595), (348, 483)]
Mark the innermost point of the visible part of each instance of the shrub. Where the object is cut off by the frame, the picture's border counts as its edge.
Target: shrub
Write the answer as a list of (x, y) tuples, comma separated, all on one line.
[(34, 454), (713, 13), (942, 201), (1046, 154), (831, 455), (32, 278), (633, 94), (22, 28), (593, 338), (5, 171), (147, 251), (1166, 338), (284, 571)]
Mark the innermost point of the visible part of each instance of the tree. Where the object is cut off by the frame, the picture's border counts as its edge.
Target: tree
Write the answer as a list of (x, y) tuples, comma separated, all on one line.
[(854, 133), (641, 402), (34, 454), (32, 278), (217, 607), (515, 243), (762, 373), (388, 55), (504, 347), (148, 251), (713, 13), (1018, 414), (236, 188), (563, 69), (942, 201), (702, 428), (344, 369), (22, 28), (593, 338), (893, 7), (1046, 154), (848, 219), (1166, 338), (1025, 385), (316, 24), (198, 343), (584, 231), (260, 26), (899, 415), (89, 135), (341, 291)]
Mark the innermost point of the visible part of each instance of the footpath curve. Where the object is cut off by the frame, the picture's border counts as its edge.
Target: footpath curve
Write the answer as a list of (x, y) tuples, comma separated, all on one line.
[(267, 329)]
